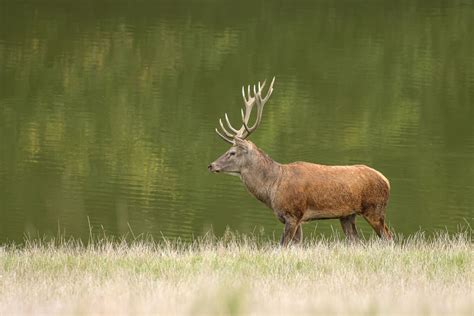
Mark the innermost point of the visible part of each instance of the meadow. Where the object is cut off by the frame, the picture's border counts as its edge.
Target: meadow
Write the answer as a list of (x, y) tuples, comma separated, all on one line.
[(235, 275)]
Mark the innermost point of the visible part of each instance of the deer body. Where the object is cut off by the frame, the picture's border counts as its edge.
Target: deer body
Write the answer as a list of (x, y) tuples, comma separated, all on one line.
[(300, 192), (314, 191)]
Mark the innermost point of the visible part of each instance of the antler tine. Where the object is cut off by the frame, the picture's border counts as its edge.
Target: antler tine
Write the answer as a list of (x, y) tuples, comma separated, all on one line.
[(223, 137), (261, 102), (269, 92), (225, 131), (230, 125), (263, 85)]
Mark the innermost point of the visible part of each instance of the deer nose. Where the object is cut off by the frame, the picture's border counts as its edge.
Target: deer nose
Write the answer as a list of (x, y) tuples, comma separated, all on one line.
[(212, 168)]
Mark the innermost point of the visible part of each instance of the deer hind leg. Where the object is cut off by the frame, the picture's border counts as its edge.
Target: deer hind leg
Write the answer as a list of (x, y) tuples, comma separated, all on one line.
[(298, 238), (376, 218), (349, 228)]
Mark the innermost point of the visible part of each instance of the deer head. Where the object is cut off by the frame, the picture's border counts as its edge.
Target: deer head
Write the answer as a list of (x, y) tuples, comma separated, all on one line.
[(240, 153)]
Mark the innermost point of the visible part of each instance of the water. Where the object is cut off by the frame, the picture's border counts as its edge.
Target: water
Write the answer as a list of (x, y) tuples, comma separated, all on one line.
[(108, 109)]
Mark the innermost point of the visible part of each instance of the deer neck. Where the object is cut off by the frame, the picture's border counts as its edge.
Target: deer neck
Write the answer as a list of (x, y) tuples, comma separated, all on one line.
[(261, 176)]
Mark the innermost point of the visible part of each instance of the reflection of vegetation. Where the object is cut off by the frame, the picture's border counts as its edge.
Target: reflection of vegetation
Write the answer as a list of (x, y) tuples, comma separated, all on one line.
[(117, 104)]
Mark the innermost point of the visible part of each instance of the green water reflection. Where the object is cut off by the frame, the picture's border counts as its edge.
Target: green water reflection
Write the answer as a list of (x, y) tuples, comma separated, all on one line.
[(107, 109)]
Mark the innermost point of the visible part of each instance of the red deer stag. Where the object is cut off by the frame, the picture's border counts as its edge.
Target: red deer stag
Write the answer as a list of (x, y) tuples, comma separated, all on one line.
[(300, 191)]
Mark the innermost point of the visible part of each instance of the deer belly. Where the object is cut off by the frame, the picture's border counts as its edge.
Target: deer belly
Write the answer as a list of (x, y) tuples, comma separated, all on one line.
[(312, 214)]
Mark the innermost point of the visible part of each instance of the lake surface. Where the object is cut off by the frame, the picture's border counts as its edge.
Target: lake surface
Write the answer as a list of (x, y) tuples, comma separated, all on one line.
[(108, 110)]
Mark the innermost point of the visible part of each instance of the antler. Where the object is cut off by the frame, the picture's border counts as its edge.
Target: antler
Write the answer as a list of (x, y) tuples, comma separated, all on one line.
[(249, 102)]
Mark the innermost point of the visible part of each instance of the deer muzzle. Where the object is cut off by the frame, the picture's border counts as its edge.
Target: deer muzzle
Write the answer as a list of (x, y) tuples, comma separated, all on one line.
[(213, 168)]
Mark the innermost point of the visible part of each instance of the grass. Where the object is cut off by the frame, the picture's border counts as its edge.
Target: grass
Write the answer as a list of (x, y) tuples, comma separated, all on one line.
[(237, 275)]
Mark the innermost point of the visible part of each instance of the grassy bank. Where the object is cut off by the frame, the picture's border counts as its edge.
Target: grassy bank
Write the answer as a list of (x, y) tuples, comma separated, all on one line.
[(239, 276)]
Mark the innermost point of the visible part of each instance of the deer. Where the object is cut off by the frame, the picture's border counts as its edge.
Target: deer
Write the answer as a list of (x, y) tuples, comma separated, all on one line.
[(300, 192)]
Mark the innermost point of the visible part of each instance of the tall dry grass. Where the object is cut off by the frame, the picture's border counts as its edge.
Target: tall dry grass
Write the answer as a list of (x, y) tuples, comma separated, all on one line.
[(239, 275)]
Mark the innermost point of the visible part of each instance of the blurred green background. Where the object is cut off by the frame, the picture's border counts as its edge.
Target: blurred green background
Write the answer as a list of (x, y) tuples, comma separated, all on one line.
[(108, 109)]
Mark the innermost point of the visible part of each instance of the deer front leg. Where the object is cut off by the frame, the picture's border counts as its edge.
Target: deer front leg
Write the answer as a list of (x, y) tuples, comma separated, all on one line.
[(289, 232), (349, 228)]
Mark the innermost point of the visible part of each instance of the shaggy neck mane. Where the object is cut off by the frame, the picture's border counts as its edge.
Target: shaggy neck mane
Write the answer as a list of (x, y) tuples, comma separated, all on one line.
[(261, 176)]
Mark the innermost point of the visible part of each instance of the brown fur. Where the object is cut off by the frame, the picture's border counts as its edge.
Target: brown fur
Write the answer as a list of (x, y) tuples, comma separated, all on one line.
[(300, 192)]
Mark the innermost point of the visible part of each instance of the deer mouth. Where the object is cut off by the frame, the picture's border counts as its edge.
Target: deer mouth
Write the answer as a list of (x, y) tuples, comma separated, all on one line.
[(233, 173)]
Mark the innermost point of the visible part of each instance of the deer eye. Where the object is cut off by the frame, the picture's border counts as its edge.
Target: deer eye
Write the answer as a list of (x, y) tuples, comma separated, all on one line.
[(232, 153)]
